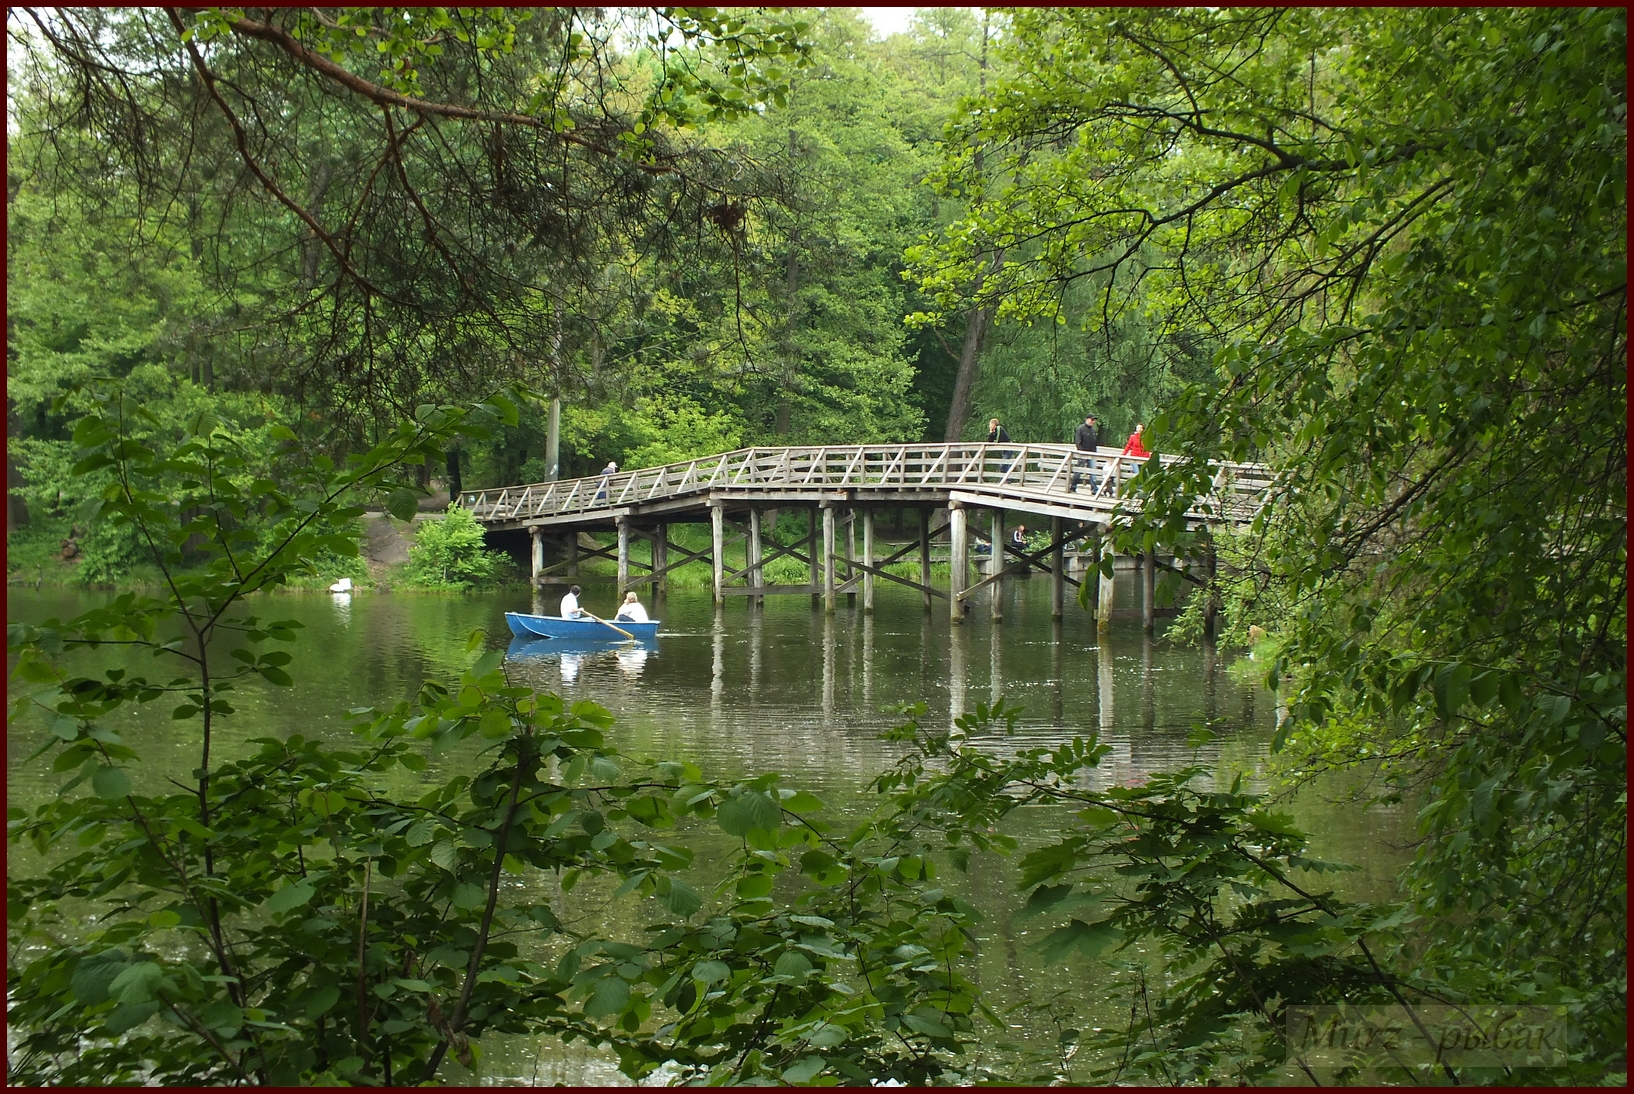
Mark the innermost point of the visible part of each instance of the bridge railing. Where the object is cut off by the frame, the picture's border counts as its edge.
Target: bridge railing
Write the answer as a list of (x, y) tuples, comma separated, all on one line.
[(1096, 480)]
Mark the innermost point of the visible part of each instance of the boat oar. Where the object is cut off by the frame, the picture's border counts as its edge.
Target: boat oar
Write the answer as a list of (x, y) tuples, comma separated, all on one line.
[(604, 623)]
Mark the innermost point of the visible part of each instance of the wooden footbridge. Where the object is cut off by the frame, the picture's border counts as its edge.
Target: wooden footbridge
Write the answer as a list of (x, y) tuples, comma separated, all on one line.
[(1079, 493)]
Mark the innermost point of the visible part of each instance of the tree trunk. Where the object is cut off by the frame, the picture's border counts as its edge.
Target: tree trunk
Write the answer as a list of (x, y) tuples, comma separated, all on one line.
[(791, 286), (980, 317), (969, 360)]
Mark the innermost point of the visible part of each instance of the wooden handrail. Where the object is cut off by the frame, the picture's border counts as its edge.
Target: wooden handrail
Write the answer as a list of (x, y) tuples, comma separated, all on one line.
[(1042, 471)]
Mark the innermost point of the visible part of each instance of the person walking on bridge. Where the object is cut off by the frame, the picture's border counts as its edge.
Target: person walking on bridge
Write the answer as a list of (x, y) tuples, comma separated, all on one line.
[(1087, 440), (607, 474), (1136, 444), (997, 434)]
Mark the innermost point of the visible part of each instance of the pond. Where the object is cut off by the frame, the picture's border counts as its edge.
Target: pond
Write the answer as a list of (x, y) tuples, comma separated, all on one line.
[(786, 688)]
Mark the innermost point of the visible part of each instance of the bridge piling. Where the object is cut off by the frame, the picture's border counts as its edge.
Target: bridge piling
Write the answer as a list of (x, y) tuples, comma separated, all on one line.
[(1057, 557), (660, 558), (1148, 591), (623, 558), (958, 575), (828, 558), (924, 556), (850, 557), (816, 567), (1107, 553), (756, 577), (996, 564), (1211, 592), (717, 540), (868, 560), (537, 536)]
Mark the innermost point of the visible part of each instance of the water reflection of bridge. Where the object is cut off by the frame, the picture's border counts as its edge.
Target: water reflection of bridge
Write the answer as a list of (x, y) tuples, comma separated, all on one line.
[(739, 494)]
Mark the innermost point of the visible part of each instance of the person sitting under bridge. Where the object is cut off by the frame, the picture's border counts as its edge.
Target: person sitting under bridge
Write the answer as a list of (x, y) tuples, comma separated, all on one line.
[(631, 611)]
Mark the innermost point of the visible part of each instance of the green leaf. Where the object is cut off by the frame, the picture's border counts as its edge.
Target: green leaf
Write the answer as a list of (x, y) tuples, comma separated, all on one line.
[(94, 973), (748, 811), (1451, 689), (470, 897), (802, 802), (127, 1016), (110, 782), (222, 1017), (289, 897), (403, 504), (803, 1071), (322, 1000), (791, 963), (609, 996), (137, 983), (710, 972), (495, 723), (275, 675), (1088, 938), (680, 898)]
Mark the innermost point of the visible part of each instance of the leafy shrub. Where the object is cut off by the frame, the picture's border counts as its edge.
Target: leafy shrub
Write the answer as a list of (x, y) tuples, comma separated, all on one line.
[(449, 554)]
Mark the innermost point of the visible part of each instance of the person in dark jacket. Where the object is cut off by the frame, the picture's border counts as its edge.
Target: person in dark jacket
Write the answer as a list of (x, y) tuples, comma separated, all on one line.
[(1087, 440), (996, 433)]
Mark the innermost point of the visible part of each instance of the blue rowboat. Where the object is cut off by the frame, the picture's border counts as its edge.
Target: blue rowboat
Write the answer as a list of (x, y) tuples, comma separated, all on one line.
[(522, 649), (554, 626)]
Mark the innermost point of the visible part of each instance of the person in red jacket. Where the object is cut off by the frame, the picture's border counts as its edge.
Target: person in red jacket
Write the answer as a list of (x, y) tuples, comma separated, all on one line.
[(1135, 446)]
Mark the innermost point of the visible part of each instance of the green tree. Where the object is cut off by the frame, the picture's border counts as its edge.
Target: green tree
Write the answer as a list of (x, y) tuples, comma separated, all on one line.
[(1404, 231)]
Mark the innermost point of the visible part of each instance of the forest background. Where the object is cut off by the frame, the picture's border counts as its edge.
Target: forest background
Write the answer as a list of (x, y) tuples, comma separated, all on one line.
[(781, 316)]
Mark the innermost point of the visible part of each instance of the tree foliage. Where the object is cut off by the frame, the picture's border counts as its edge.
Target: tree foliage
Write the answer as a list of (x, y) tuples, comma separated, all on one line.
[(1405, 233), (291, 918)]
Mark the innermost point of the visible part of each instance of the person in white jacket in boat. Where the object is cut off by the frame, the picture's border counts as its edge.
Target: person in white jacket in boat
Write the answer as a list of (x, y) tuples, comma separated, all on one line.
[(631, 611), (570, 604)]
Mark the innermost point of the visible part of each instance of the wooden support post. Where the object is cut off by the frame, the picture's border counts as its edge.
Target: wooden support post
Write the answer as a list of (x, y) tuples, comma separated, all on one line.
[(1148, 590), (811, 553), (756, 578), (717, 553), (850, 555), (995, 562), (537, 535), (573, 553), (1057, 560), (1211, 592), (828, 558), (660, 558), (924, 555), (958, 574), (868, 560), (623, 558), (1103, 615)]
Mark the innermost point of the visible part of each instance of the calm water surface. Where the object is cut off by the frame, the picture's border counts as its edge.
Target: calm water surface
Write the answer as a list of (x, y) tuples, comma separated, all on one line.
[(786, 689)]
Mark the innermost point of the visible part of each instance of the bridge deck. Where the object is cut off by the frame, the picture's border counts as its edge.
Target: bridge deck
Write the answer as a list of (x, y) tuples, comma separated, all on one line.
[(1030, 478)]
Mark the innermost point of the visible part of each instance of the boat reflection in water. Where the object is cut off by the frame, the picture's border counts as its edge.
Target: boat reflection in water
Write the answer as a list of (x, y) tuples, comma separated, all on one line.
[(577, 653)]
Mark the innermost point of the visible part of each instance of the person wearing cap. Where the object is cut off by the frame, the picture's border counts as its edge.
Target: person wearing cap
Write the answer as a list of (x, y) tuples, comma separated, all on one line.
[(607, 474)]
